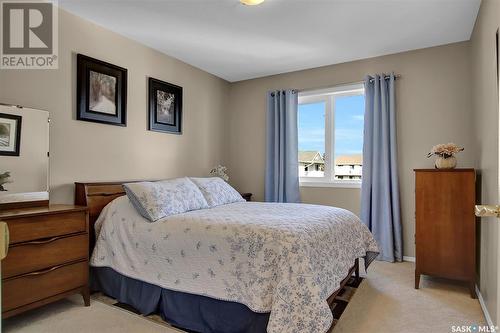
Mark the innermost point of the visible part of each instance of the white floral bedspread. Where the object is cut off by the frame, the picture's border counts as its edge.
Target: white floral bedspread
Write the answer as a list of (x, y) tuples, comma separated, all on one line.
[(282, 258)]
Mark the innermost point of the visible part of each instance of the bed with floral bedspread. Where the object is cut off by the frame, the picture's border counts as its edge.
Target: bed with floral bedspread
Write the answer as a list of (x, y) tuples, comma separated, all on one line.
[(286, 259)]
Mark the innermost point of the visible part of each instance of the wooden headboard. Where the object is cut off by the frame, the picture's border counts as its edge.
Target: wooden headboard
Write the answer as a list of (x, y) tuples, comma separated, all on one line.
[(96, 196)]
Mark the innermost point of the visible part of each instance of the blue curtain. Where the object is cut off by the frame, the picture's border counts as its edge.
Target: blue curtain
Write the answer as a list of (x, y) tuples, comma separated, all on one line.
[(282, 166), (380, 206)]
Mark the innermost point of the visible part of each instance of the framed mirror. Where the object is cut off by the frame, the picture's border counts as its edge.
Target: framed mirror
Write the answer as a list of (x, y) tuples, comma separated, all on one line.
[(24, 156)]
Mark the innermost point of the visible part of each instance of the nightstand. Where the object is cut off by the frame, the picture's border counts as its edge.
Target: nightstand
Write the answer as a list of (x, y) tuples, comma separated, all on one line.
[(247, 196), (47, 258)]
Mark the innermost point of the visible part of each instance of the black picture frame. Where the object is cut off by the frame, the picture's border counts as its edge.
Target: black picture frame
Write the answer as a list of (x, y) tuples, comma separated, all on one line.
[(17, 136), (117, 76), (171, 123)]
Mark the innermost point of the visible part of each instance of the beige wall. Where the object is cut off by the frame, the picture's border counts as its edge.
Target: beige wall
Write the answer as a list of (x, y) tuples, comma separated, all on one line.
[(433, 106), (485, 108), (347, 198), (83, 151)]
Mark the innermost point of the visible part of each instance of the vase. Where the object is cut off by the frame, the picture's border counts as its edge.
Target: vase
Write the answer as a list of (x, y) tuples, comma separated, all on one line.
[(446, 162)]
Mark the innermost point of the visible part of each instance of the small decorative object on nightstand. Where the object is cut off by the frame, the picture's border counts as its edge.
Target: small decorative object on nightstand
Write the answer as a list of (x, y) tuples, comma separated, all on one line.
[(247, 196), (220, 171), (446, 155), (47, 258)]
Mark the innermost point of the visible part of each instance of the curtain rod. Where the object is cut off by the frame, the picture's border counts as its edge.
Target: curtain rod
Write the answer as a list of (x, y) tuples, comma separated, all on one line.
[(396, 76)]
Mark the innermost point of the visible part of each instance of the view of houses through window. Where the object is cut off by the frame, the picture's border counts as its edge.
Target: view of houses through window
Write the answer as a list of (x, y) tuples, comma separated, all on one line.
[(330, 125)]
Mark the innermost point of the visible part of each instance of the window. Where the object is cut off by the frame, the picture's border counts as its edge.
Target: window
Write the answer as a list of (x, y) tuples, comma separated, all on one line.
[(330, 131)]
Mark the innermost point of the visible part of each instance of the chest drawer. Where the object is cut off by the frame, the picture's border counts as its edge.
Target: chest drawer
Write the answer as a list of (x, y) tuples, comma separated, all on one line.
[(36, 255), (35, 286), (32, 228)]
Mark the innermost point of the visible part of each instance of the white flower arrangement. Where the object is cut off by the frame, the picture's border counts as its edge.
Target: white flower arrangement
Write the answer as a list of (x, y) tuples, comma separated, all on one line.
[(220, 171), (445, 150)]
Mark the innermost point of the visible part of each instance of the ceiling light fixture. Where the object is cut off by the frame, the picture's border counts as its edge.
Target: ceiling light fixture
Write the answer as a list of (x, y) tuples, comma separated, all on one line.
[(251, 2)]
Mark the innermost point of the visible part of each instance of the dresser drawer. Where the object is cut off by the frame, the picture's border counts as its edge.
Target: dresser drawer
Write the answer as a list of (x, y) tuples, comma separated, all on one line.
[(36, 255), (31, 228), (36, 286)]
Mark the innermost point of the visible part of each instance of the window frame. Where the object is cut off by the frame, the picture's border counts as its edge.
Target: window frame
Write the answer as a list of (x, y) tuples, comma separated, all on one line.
[(328, 96)]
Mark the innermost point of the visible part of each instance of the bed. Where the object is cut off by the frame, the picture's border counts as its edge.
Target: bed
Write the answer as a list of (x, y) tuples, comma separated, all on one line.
[(240, 267)]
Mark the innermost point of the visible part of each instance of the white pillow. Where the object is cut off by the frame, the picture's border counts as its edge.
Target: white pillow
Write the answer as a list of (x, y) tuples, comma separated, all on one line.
[(155, 200), (217, 192)]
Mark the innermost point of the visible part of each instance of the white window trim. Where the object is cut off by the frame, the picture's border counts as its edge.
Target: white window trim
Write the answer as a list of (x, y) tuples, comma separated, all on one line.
[(305, 182), (328, 97)]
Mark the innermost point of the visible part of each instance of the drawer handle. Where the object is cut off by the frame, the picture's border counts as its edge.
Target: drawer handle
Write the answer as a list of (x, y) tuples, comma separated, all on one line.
[(50, 240), (42, 272)]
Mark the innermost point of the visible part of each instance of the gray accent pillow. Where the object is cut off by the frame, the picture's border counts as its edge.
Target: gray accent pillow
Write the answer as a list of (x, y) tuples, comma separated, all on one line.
[(217, 192), (156, 200)]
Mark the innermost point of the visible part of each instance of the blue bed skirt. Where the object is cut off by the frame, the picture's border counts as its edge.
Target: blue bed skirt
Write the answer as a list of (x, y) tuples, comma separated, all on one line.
[(187, 311)]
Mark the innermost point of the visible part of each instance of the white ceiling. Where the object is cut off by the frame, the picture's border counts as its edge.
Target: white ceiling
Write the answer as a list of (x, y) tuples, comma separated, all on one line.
[(238, 42)]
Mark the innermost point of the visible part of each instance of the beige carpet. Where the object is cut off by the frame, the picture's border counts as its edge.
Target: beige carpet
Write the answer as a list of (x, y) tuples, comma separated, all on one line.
[(385, 302), (70, 316)]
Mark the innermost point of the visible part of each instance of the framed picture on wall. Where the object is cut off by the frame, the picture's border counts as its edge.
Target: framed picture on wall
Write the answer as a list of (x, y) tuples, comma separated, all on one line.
[(101, 92), (165, 107), (10, 134)]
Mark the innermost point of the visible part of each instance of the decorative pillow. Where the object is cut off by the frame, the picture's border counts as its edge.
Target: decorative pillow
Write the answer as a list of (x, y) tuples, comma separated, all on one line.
[(217, 192), (155, 200)]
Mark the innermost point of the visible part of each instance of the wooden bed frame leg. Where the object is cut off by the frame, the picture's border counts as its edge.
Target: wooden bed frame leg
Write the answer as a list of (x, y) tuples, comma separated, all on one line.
[(354, 269)]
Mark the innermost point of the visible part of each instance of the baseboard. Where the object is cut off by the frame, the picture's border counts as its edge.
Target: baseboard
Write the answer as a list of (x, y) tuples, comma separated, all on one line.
[(483, 307), (410, 259)]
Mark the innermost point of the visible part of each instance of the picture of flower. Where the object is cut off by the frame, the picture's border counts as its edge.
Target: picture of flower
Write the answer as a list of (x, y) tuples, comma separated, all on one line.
[(165, 107)]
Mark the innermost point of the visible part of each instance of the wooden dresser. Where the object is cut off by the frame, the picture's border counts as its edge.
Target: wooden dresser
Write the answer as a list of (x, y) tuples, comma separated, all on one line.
[(445, 236), (47, 258)]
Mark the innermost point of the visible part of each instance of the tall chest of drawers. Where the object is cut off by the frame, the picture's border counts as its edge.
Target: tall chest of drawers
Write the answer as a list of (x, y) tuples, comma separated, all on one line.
[(47, 258), (445, 225)]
